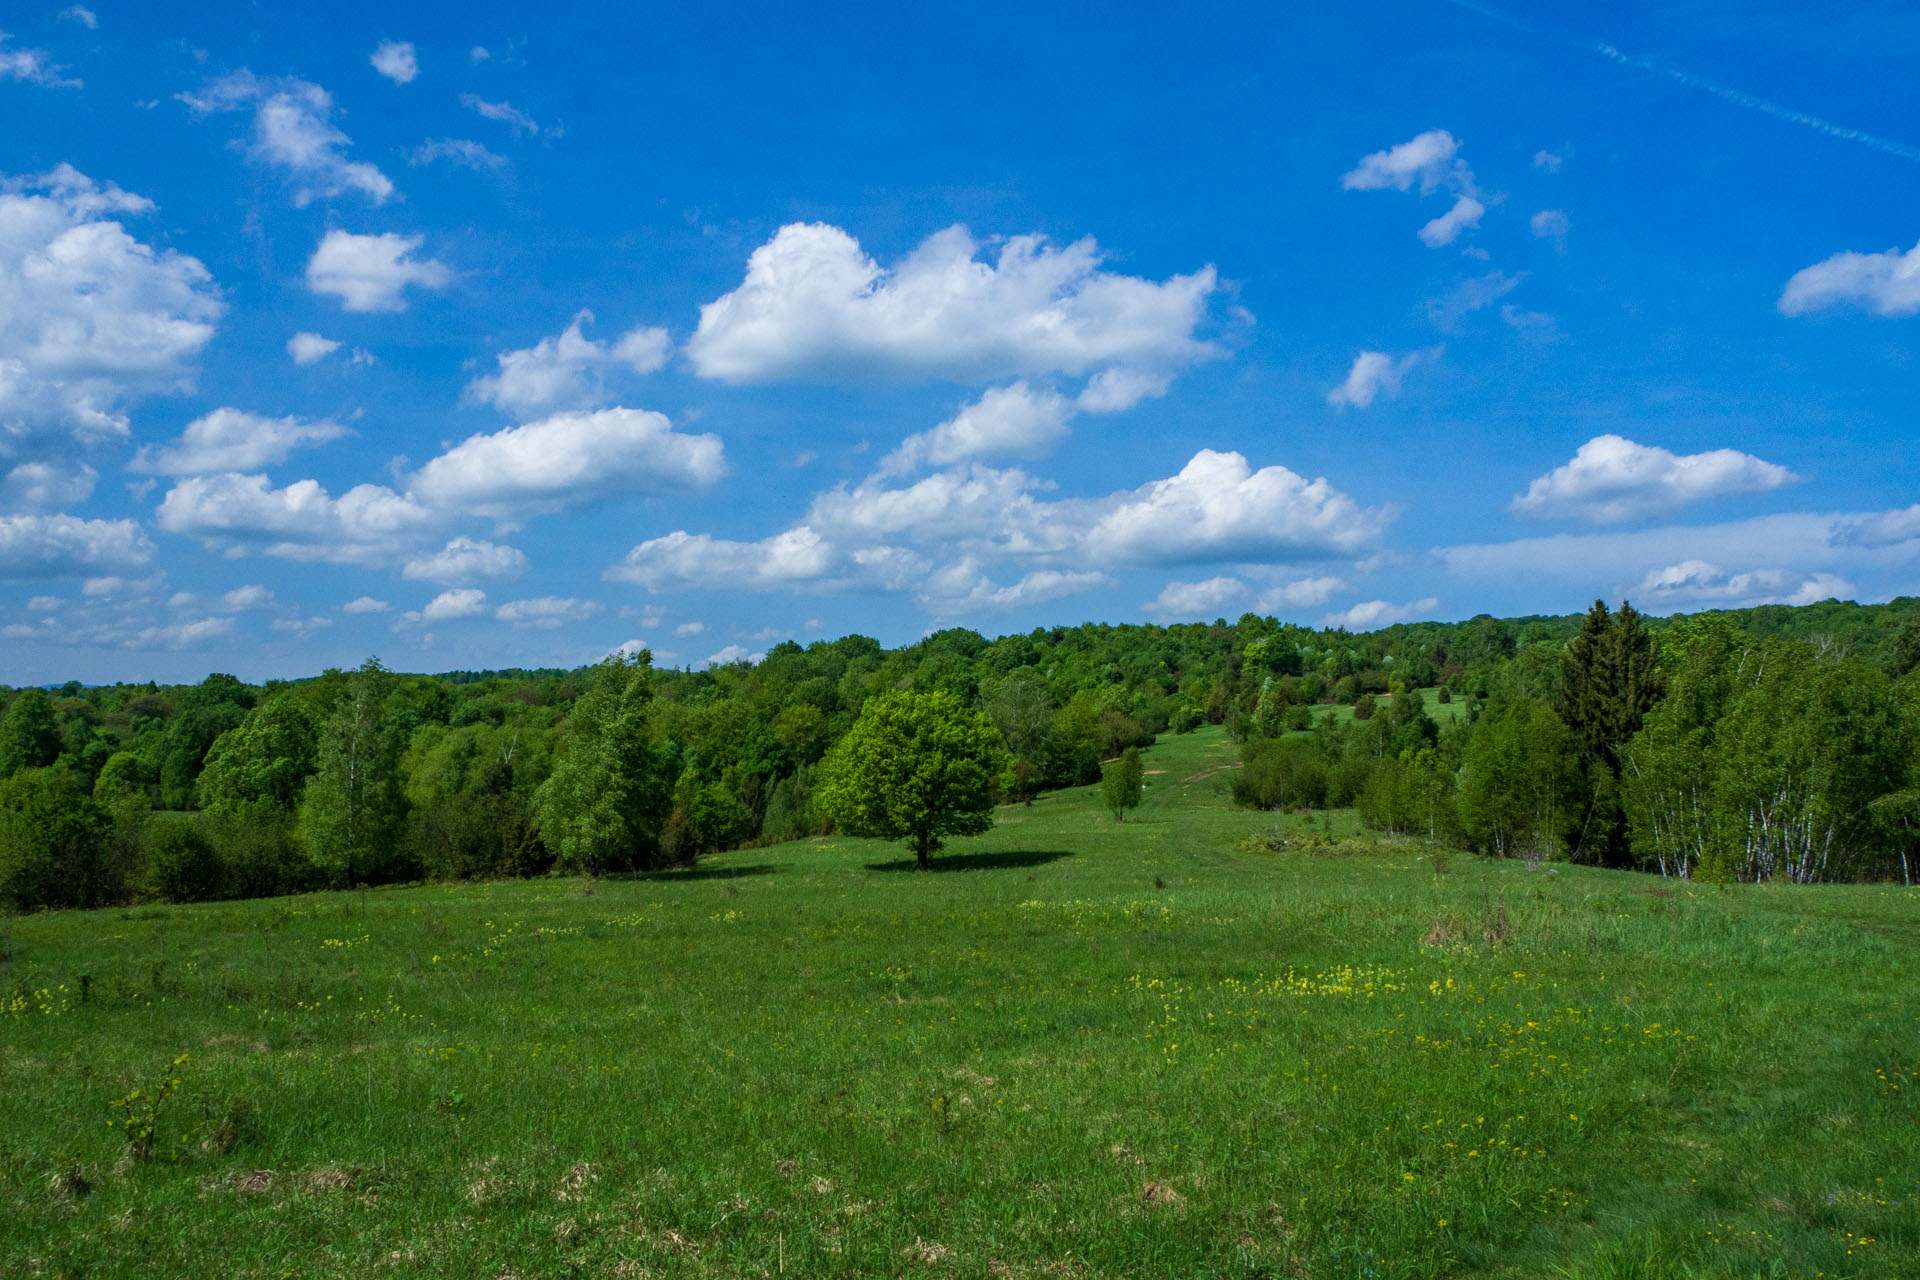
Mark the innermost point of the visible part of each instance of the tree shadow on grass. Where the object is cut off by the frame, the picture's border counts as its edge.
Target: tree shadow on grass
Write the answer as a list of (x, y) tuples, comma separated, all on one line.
[(977, 861), (708, 873)]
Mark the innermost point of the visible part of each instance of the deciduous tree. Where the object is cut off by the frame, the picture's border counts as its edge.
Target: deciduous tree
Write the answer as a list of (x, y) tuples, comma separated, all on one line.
[(353, 809), (602, 807), (1120, 785), (917, 767)]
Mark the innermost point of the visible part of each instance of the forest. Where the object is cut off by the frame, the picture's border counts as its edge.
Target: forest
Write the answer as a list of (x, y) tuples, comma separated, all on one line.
[(1761, 744)]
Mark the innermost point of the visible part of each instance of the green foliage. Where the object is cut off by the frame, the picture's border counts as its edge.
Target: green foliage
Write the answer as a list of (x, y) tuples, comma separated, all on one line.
[(53, 843), (790, 813), (1021, 708), (29, 738), (915, 766), (123, 776), (353, 809), (1121, 784), (181, 863), (1903, 653), (138, 1114), (603, 806), (1766, 761), (268, 756), (727, 754), (260, 851), (470, 791), (1609, 680), (1520, 781), (1411, 793), (1284, 774)]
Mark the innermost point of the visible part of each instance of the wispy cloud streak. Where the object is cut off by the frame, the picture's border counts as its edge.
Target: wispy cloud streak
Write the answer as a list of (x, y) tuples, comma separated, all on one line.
[(1726, 93)]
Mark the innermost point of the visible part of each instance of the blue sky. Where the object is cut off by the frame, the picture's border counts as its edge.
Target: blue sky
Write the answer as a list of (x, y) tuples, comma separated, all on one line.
[(474, 337)]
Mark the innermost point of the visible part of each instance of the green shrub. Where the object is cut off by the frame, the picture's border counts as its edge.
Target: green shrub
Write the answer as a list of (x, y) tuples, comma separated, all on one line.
[(181, 863)]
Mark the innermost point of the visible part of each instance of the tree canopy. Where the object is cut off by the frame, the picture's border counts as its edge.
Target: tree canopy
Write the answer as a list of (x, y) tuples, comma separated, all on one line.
[(917, 767)]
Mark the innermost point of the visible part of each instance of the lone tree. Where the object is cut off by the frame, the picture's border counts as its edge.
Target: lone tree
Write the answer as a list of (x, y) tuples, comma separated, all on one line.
[(1120, 785), (915, 766)]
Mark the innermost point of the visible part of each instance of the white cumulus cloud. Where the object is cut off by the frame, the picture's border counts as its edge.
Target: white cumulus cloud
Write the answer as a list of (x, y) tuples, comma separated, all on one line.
[(233, 440), (1887, 284), (1550, 224), (365, 604), (372, 273), (961, 503), (1190, 601), (567, 371), (963, 588), (90, 318), (1302, 593), (241, 513), (450, 606), (1699, 583), (1445, 229), (1375, 374), (546, 613), (1219, 508), (60, 546), (32, 66), (1015, 421), (736, 653), (293, 131), (46, 486), (310, 348), (1185, 601), (682, 559), (253, 598), (464, 559), (814, 305), (1374, 614), (395, 60), (1430, 161), (1612, 479), (1883, 529), (568, 460)]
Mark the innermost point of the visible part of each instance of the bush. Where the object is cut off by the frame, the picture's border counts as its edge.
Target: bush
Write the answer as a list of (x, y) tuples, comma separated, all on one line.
[(1281, 775), (790, 808), (54, 843), (259, 851), (181, 863)]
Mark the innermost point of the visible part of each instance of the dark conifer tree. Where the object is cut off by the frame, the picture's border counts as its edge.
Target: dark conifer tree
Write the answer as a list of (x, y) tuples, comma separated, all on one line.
[(1610, 679)]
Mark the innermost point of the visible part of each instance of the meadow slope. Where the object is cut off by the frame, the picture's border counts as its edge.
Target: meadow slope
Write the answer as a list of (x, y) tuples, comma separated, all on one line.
[(1079, 1048)]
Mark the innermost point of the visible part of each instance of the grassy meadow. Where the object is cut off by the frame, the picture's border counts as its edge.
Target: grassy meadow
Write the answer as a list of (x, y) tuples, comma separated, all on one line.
[(1076, 1049)]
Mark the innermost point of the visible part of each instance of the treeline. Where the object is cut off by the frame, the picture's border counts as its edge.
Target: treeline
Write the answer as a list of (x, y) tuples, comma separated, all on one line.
[(1704, 750), (225, 789)]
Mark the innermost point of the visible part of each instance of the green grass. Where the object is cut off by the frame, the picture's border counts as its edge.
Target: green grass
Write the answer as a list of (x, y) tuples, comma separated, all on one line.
[(1080, 1048), (1444, 713)]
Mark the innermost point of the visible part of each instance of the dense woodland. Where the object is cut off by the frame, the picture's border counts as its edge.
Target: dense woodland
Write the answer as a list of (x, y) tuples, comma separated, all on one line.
[(1767, 743)]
